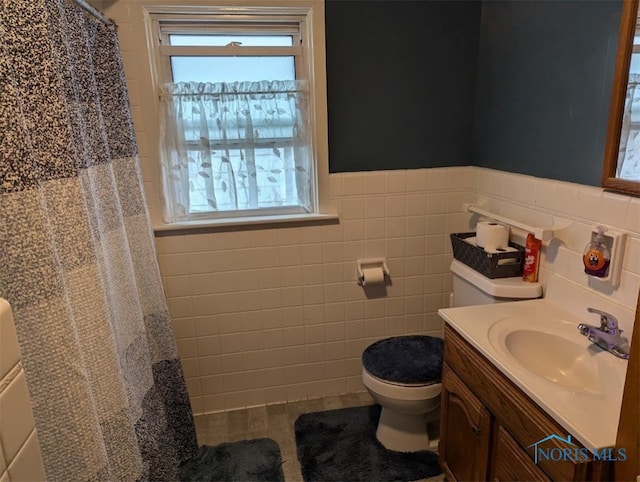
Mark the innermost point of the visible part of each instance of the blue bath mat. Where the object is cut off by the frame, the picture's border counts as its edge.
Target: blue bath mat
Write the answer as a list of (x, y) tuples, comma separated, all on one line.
[(256, 460), (341, 445)]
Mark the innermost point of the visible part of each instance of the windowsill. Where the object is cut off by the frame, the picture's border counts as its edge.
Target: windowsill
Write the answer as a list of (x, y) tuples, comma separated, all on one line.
[(261, 221)]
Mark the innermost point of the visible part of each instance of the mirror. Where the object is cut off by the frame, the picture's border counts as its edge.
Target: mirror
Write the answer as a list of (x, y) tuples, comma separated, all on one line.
[(621, 171)]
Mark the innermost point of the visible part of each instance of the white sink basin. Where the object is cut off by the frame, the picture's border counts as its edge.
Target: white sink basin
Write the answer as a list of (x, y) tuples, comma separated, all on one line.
[(555, 351)]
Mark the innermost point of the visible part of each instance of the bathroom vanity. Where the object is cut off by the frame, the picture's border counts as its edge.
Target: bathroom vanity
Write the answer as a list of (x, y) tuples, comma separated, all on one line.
[(487, 423), (525, 396)]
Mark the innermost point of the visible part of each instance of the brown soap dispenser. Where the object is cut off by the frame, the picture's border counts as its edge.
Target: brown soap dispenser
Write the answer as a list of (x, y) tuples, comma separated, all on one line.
[(596, 257)]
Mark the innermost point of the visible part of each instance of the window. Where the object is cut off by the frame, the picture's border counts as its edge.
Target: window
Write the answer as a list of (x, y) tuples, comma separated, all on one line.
[(243, 111)]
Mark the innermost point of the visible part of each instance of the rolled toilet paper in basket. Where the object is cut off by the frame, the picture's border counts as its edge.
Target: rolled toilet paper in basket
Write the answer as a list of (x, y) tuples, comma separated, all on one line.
[(492, 236)]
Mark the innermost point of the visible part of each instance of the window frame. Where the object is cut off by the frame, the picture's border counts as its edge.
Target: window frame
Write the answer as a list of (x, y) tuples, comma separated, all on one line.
[(308, 16)]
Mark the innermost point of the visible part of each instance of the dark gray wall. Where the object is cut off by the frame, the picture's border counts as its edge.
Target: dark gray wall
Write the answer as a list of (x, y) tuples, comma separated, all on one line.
[(401, 80), (544, 86)]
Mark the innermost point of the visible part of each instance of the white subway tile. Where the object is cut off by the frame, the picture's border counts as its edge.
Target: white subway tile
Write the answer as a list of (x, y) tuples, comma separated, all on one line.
[(437, 179), (293, 315), (459, 177), (395, 206), (353, 184), (396, 181), (180, 307), (394, 326), (414, 285), (627, 292), (288, 236), (255, 398), (413, 324), (290, 255), (613, 209), (209, 365), (332, 233), (374, 207), (334, 293), (184, 327), (374, 228), (14, 430), (545, 194), (373, 328), (313, 294), (395, 227), (415, 245), (333, 252), (208, 345), (311, 253), (633, 216), (416, 205), (4, 477), (335, 185), (314, 353), (353, 230), (190, 367), (414, 304), (396, 268), (313, 314), (456, 200), (187, 348), (353, 208), (248, 300), (374, 182), (231, 343), (416, 180), (28, 466), (436, 203), (416, 225)]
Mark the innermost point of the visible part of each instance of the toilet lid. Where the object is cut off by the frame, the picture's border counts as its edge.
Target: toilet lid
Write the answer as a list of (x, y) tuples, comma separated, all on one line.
[(405, 359)]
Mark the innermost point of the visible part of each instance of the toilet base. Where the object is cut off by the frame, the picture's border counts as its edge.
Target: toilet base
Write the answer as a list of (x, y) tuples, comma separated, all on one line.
[(407, 432)]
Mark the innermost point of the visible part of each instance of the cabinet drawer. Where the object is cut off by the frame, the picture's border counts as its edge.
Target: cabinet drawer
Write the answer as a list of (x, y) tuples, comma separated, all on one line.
[(511, 462)]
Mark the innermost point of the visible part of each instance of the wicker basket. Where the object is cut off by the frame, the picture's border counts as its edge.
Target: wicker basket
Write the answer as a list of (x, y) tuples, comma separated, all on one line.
[(498, 265)]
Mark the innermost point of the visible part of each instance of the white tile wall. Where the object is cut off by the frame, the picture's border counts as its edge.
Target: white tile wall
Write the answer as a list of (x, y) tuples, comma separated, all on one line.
[(543, 202), (20, 458), (278, 316), (275, 314)]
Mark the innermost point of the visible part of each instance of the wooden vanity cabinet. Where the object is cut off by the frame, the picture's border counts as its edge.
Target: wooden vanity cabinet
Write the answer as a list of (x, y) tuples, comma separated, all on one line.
[(509, 462), (467, 424), (487, 422)]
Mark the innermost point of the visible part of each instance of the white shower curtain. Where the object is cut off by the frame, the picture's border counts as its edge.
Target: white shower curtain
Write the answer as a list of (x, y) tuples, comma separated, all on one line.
[(77, 261)]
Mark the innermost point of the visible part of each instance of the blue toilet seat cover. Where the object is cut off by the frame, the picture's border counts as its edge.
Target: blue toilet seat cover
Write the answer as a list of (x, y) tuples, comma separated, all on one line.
[(405, 359)]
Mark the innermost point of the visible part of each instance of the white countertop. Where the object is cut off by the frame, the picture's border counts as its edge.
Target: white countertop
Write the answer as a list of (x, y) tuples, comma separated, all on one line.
[(591, 418)]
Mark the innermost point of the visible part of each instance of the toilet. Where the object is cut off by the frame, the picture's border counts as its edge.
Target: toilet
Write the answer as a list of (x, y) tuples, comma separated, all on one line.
[(403, 374)]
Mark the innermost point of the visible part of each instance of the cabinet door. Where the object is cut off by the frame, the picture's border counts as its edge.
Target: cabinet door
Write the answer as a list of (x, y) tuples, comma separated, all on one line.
[(510, 462), (465, 431)]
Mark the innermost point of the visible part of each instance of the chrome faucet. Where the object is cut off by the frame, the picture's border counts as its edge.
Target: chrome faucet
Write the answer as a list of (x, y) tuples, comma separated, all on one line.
[(607, 336)]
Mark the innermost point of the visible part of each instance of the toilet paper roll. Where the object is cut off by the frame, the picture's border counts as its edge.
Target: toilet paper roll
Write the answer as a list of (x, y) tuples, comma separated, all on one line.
[(491, 235), (372, 276)]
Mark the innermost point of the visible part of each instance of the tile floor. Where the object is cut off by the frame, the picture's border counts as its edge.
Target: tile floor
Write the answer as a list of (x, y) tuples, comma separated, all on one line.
[(273, 421)]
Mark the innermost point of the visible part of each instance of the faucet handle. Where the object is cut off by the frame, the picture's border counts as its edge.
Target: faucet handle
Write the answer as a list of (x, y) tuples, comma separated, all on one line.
[(608, 322)]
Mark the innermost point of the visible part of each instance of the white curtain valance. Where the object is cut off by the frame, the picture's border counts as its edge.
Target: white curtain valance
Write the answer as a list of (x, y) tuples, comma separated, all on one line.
[(229, 147)]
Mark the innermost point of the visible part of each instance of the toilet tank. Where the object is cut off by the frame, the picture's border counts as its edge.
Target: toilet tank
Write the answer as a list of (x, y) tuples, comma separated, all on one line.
[(473, 288)]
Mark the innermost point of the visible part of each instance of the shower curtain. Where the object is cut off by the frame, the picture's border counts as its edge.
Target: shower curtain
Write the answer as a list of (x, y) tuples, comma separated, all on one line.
[(77, 261)]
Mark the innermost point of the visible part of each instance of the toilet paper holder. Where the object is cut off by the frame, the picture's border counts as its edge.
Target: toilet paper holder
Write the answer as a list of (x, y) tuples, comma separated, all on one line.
[(371, 263)]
